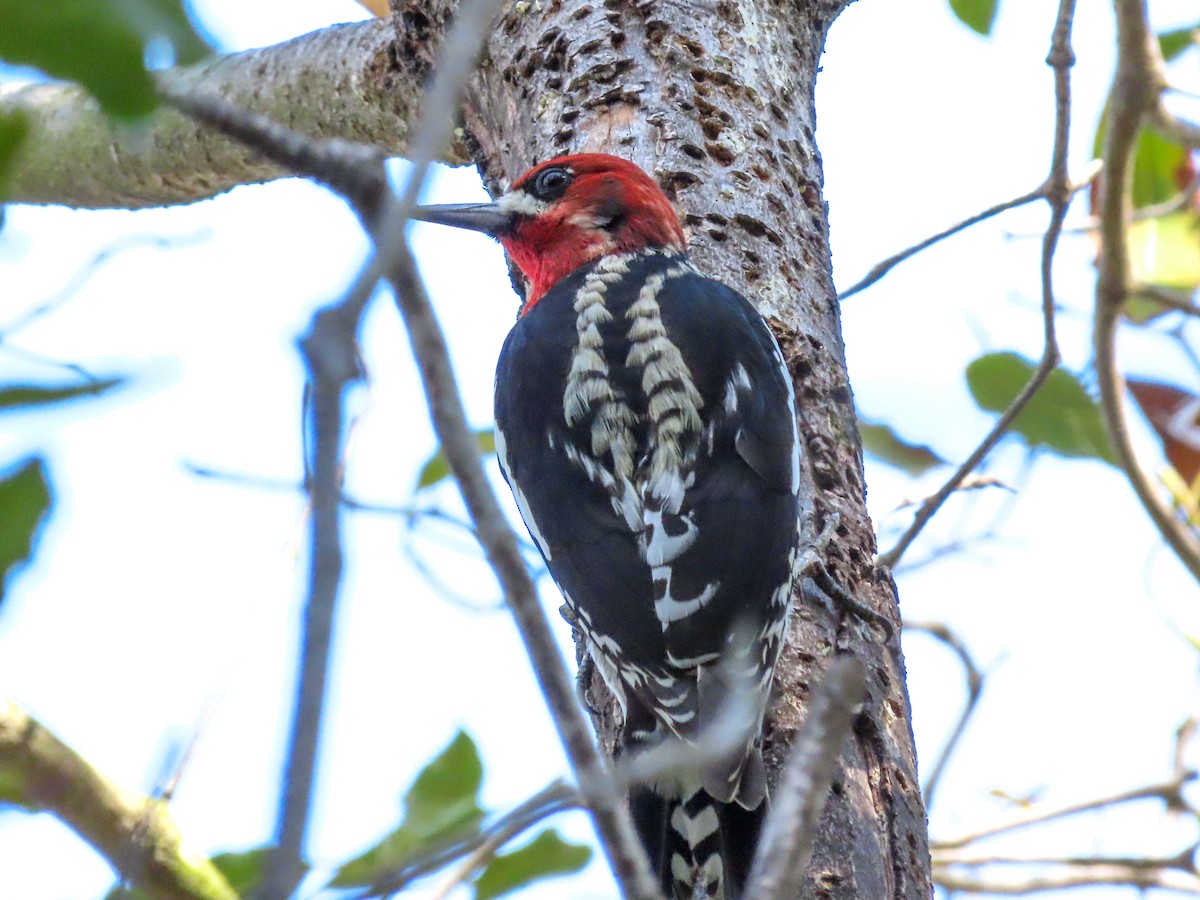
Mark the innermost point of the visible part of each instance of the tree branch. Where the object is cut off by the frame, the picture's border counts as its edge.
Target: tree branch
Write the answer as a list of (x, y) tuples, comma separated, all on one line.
[(1134, 93), (134, 833), (974, 677), (331, 358), (342, 81), (786, 845), (1071, 877), (1170, 792), (1057, 191)]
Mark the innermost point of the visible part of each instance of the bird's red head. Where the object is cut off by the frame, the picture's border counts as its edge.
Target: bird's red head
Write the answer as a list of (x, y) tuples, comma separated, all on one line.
[(569, 211)]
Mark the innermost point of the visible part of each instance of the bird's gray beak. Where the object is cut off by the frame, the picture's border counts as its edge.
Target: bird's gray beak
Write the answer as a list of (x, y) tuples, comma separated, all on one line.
[(486, 217)]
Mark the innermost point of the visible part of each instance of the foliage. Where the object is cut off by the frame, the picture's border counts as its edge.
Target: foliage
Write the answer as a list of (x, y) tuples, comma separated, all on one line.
[(118, 35)]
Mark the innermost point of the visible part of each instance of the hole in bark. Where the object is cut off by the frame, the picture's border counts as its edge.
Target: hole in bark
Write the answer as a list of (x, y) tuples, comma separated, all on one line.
[(720, 154), (711, 128), (563, 136), (729, 12), (760, 131), (582, 13), (750, 226), (778, 113), (717, 219), (679, 180), (569, 115), (548, 37), (717, 235), (699, 74), (617, 40), (693, 151), (589, 47), (692, 47)]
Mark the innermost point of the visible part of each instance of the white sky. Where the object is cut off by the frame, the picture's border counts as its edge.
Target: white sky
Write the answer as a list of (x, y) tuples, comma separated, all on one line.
[(154, 590)]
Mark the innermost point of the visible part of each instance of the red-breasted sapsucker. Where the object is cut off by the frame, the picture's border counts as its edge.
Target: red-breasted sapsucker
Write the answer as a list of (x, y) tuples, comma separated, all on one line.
[(646, 424)]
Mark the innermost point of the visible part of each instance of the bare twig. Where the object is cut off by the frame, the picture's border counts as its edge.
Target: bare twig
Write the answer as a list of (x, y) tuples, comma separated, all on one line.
[(1135, 91), (974, 676), (787, 839), (1177, 129), (1170, 792), (1057, 192), (77, 279), (1070, 877), (1181, 860), (1176, 301), (884, 266), (330, 354), (556, 797)]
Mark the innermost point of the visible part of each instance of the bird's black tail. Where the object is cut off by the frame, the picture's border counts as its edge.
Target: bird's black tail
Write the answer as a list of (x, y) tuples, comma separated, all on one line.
[(699, 847)]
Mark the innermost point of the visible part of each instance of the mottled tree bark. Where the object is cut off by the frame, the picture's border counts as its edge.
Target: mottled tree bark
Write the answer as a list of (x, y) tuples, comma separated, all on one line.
[(716, 99)]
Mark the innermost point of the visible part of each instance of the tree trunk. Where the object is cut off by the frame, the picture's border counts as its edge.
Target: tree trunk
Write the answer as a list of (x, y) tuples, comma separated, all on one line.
[(716, 100)]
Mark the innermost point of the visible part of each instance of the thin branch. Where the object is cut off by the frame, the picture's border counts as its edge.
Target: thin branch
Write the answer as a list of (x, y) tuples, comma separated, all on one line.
[(1071, 877), (784, 850), (881, 268), (134, 833), (534, 810), (974, 677), (1181, 860), (1170, 792), (77, 279), (1176, 301), (1179, 130), (556, 797), (331, 358), (1057, 191), (1134, 92)]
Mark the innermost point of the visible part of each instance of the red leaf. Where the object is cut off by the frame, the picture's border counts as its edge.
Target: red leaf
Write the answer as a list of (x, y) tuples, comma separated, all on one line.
[(1175, 415)]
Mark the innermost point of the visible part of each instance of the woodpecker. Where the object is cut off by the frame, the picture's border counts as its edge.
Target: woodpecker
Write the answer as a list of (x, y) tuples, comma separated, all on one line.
[(646, 424)]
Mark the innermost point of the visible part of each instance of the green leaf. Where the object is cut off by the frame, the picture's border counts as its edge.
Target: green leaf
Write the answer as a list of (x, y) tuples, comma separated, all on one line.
[(442, 806), (14, 126), (1061, 417), (885, 445), (437, 468), (546, 855), (1173, 43), (19, 396), (978, 15), (25, 500), (101, 44), (1166, 250), (244, 869), (1161, 168)]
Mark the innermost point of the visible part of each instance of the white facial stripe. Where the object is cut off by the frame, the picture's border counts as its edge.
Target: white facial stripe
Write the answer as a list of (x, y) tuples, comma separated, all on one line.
[(522, 203)]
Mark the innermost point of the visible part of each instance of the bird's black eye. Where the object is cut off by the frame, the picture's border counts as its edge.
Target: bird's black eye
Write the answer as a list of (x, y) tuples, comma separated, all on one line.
[(552, 183)]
